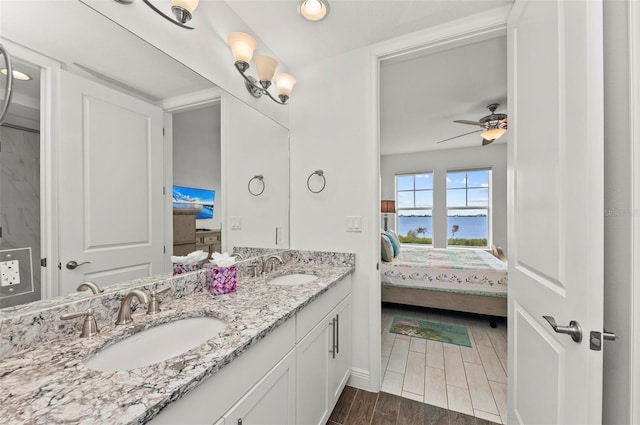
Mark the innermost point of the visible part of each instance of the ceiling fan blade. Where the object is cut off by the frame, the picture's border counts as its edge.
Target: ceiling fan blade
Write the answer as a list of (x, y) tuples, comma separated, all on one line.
[(455, 137), (486, 142), (470, 122)]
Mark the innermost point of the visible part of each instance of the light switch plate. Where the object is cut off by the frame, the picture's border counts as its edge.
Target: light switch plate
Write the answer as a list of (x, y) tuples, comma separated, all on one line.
[(354, 224), (236, 223)]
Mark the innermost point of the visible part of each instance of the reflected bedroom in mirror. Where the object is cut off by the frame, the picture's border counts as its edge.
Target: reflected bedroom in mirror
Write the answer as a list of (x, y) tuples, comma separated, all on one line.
[(82, 199)]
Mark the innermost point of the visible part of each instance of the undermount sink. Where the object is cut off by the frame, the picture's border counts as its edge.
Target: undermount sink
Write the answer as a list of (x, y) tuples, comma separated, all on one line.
[(293, 279), (155, 344)]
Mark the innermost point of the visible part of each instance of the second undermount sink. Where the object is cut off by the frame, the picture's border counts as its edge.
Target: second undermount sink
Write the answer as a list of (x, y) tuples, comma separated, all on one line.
[(293, 279), (155, 344)]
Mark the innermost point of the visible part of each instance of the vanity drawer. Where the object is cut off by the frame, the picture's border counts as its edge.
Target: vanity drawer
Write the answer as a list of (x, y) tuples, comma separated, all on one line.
[(213, 239)]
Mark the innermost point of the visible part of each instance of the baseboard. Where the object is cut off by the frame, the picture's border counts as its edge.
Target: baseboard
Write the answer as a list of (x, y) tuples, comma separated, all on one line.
[(360, 379)]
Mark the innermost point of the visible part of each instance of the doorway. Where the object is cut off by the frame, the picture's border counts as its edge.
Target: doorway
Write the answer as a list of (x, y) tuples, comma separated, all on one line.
[(421, 139)]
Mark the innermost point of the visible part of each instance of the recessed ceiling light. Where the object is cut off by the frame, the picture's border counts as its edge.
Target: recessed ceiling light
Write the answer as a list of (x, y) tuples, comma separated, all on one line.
[(16, 74), (313, 10)]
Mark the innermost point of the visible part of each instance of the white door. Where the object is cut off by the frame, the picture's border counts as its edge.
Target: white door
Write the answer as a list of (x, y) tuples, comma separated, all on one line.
[(110, 178), (555, 210)]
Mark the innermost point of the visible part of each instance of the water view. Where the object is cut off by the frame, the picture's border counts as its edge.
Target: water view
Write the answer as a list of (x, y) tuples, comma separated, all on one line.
[(469, 227)]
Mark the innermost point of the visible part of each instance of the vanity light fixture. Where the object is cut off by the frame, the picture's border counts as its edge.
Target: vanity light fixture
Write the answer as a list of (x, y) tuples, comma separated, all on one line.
[(313, 10), (182, 10), (242, 47)]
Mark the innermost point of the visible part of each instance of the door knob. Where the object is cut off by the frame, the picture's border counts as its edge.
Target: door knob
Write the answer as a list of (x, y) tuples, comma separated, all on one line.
[(574, 329), (73, 264)]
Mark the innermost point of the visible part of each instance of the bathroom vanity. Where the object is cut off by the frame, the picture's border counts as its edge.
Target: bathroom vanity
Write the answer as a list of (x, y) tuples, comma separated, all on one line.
[(283, 355)]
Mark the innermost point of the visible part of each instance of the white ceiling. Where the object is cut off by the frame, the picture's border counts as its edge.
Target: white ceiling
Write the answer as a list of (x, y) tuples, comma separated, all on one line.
[(420, 95)]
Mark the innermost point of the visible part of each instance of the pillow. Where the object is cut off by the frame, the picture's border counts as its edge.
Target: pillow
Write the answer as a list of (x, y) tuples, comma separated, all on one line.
[(395, 242), (386, 248)]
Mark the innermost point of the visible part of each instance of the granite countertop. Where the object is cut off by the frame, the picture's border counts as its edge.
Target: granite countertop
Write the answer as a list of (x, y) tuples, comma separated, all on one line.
[(49, 384)]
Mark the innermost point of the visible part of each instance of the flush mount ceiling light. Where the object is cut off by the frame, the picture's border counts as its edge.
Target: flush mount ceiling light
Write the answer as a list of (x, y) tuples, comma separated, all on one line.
[(313, 10), (16, 74), (242, 47), (182, 10)]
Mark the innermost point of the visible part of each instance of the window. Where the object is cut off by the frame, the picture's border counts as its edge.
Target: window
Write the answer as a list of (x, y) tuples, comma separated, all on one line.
[(414, 194), (468, 207)]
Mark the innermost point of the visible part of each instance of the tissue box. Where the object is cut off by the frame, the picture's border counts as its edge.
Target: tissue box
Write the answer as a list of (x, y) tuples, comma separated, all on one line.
[(221, 280), (186, 268)]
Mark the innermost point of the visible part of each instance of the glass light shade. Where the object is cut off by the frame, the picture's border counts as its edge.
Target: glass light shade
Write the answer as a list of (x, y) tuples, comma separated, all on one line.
[(242, 46), (284, 84), (266, 67), (493, 133), (189, 5), (16, 74), (313, 10)]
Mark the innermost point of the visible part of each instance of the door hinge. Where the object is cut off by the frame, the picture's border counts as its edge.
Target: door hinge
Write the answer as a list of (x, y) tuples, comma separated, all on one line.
[(43, 262), (164, 249), (164, 190), (0, 232), (163, 131)]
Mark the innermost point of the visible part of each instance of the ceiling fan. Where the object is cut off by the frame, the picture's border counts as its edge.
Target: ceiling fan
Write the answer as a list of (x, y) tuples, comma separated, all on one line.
[(495, 125)]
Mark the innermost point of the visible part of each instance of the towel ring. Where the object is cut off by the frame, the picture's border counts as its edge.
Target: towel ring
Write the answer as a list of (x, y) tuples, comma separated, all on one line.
[(324, 181), (260, 178)]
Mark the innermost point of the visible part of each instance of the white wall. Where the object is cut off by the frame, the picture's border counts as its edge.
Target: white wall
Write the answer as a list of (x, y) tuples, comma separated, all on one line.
[(331, 130), (492, 156), (253, 144), (196, 154)]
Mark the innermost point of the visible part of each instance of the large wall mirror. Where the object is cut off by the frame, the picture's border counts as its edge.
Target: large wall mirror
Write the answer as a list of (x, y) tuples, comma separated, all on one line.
[(87, 175)]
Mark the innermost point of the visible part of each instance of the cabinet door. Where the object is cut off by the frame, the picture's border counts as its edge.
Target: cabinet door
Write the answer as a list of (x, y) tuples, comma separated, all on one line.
[(313, 357), (271, 401), (340, 366)]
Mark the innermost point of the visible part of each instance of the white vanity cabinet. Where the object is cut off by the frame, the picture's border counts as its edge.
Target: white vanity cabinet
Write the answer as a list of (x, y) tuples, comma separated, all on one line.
[(271, 401), (323, 358), (293, 376)]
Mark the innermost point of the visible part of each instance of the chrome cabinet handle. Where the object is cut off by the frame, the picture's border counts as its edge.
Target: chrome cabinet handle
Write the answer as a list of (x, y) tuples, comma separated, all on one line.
[(73, 264), (337, 334), (333, 340), (574, 330)]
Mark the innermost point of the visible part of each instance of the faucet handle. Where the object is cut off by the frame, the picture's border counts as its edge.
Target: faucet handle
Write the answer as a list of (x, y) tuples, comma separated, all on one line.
[(89, 327), (253, 269), (154, 305)]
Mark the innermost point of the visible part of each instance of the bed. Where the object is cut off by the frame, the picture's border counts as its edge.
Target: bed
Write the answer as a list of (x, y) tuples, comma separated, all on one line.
[(469, 280)]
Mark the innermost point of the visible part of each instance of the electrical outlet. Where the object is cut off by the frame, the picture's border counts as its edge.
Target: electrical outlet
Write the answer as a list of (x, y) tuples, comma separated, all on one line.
[(9, 273)]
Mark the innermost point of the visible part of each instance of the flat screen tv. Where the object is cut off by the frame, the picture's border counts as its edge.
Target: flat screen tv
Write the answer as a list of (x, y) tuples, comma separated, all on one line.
[(191, 197)]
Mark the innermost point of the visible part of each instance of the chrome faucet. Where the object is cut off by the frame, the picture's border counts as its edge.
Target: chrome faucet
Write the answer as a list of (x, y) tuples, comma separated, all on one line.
[(90, 285), (270, 263), (124, 314)]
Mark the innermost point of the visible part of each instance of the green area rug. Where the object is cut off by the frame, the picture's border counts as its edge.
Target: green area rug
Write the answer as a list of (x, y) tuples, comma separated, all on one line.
[(443, 332)]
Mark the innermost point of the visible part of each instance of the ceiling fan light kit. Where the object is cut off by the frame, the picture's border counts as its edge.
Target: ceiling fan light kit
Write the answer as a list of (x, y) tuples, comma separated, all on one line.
[(495, 124)]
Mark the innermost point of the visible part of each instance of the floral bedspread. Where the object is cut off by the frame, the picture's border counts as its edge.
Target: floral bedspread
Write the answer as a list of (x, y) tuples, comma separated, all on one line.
[(466, 270)]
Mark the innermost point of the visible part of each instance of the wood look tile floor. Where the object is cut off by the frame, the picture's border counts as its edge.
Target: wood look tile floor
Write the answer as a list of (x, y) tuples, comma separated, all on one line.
[(358, 407), (470, 381)]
